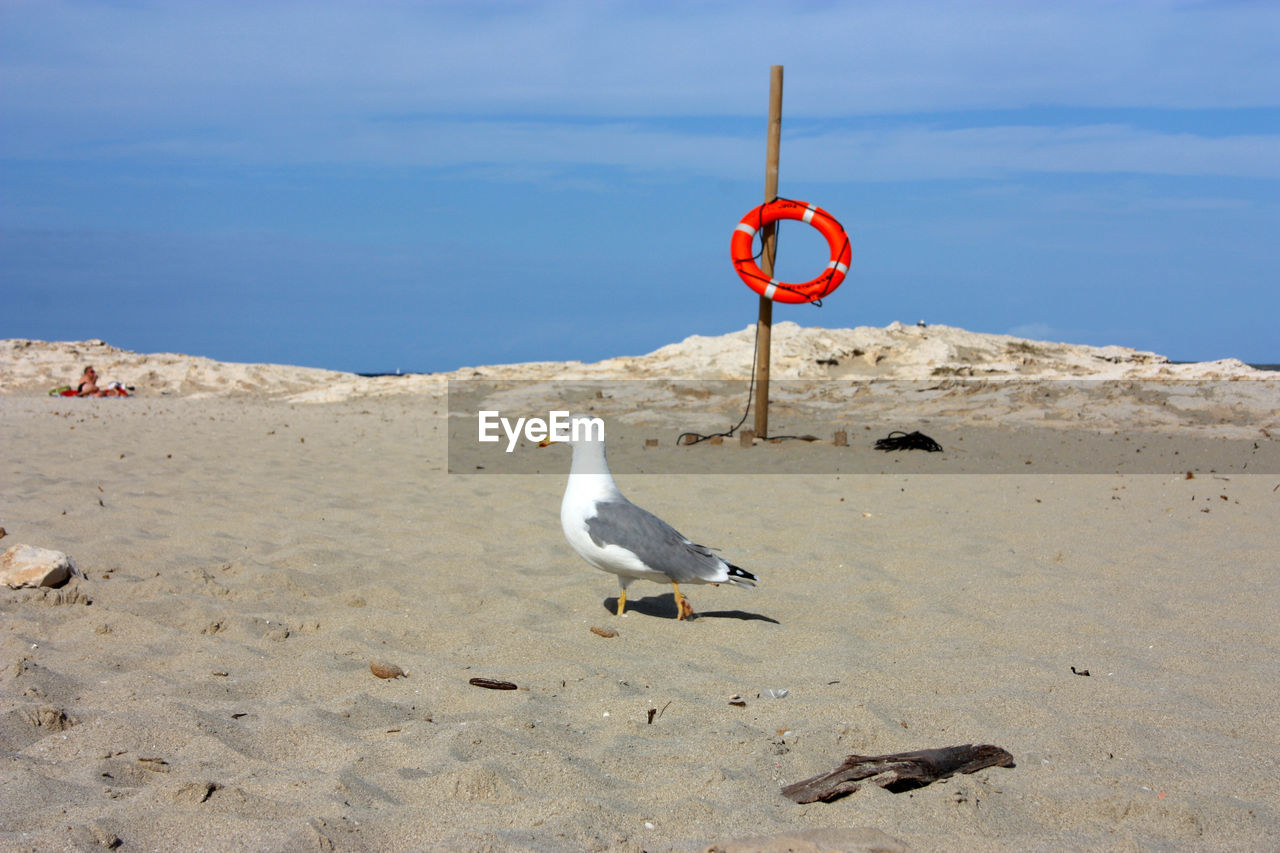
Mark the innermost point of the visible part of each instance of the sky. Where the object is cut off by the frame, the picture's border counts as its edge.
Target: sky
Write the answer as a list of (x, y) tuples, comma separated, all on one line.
[(422, 186)]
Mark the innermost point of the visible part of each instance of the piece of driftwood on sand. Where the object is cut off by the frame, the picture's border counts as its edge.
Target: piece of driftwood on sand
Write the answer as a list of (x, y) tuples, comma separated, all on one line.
[(902, 771)]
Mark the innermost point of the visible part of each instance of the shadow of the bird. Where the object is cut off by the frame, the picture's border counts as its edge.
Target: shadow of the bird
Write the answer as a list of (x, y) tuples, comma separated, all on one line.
[(664, 607)]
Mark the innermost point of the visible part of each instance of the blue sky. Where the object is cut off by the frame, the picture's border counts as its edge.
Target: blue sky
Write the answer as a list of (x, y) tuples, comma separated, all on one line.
[(422, 186)]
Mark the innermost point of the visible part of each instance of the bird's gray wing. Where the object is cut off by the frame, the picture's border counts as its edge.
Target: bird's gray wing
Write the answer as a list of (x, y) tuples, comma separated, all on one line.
[(658, 545)]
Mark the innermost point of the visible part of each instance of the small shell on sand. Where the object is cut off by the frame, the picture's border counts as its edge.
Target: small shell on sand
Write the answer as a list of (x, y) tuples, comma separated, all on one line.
[(603, 632), (387, 670)]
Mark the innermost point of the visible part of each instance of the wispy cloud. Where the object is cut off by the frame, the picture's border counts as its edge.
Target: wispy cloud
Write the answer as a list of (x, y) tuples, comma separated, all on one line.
[(895, 152), (635, 58), (312, 83), (912, 153)]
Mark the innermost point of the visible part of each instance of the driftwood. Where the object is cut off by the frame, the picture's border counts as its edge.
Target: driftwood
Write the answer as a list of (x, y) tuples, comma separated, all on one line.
[(900, 772)]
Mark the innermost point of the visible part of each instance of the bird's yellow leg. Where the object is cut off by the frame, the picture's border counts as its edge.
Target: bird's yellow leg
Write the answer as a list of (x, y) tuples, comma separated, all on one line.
[(683, 608), (622, 601)]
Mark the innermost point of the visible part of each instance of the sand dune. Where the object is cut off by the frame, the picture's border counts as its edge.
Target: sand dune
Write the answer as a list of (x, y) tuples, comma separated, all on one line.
[(893, 352)]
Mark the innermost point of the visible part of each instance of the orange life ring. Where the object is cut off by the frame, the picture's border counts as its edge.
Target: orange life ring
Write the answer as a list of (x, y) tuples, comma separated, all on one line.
[(780, 291)]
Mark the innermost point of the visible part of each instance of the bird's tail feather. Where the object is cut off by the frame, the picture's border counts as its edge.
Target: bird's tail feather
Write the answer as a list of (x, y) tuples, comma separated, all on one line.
[(741, 577)]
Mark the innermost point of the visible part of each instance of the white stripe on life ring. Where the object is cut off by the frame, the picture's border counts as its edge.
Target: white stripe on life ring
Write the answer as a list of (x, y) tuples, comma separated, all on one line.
[(808, 214), (746, 229), (838, 266), (771, 289)]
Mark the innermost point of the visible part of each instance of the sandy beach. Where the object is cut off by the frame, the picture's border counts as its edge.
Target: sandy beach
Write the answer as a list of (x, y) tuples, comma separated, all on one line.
[(249, 539)]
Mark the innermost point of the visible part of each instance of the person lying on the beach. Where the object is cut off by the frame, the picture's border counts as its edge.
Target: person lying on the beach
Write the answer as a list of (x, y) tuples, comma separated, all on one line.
[(88, 386)]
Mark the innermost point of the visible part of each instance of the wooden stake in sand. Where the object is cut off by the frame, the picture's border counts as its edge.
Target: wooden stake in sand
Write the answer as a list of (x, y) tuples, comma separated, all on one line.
[(769, 242)]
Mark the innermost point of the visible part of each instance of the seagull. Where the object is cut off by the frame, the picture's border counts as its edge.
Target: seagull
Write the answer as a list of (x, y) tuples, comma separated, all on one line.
[(614, 535)]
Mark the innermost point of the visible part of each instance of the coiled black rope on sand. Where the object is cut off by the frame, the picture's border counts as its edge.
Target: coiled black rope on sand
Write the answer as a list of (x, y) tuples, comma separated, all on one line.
[(899, 440)]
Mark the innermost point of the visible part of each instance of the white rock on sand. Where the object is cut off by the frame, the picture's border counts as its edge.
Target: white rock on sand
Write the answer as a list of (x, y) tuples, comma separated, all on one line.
[(28, 565)]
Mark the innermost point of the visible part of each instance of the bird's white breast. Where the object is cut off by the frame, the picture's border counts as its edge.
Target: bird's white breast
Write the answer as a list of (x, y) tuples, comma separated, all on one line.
[(576, 509)]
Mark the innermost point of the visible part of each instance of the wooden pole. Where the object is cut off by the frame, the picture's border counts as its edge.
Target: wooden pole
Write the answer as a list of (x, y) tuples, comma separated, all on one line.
[(769, 242)]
